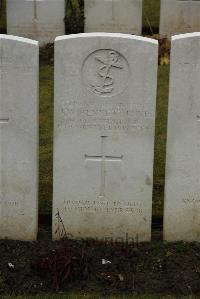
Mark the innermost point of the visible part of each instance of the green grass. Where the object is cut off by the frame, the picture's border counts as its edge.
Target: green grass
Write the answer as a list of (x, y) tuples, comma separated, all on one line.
[(151, 14), (46, 138), (160, 139)]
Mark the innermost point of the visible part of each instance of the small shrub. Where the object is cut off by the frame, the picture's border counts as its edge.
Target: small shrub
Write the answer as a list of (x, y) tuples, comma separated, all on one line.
[(63, 265), (74, 19)]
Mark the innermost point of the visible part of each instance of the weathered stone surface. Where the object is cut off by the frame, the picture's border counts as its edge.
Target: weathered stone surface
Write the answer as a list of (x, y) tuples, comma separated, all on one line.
[(105, 96), (41, 20), (182, 192), (113, 16), (18, 138), (179, 16)]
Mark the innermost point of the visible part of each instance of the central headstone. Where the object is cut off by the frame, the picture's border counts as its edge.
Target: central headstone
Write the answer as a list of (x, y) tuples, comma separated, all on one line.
[(113, 16), (41, 20), (105, 96), (179, 16)]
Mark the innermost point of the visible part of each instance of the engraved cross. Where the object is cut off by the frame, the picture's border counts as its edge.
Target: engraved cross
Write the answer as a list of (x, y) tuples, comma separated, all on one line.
[(35, 15), (35, 9), (113, 14), (2, 121), (103, 158)]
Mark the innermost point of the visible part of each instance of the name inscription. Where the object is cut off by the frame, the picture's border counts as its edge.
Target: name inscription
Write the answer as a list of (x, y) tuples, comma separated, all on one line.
[(117, 117)]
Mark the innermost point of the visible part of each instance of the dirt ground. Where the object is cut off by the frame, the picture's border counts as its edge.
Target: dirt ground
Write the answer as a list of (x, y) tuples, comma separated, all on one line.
[(45, 266)]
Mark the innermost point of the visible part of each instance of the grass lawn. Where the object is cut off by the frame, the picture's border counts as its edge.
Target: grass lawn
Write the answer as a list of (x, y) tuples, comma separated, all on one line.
[(160, 139), (46, 138)]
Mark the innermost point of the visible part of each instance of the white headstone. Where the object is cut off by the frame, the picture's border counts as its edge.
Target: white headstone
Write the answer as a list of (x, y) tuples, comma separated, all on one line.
[(105, 96), (179, 16), (113, 16), (42, 20), (182, 193), (18, 138)]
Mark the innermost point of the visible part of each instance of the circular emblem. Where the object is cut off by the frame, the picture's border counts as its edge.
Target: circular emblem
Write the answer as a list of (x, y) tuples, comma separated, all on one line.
[(105, 73)]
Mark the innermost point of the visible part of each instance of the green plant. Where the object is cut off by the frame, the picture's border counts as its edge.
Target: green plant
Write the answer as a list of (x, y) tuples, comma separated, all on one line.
[(74, 19)]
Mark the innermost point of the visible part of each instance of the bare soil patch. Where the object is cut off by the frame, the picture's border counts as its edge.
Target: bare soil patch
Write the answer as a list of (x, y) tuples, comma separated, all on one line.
[(46, 266)]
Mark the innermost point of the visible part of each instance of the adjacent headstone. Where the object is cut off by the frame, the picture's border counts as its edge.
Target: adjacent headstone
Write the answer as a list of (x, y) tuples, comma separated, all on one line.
[(42, 20), (18, 138), (179, 16), (113, 16), (105, 97), (182, 193)]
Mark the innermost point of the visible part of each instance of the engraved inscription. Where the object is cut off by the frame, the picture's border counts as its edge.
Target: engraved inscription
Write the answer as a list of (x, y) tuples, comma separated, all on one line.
[(9, 203), (191, 198), (105, 116), (103, 159), (105, 73), (114, 207)]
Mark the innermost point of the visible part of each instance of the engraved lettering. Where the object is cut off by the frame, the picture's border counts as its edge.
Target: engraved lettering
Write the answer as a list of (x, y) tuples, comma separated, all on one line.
[(103, 207)]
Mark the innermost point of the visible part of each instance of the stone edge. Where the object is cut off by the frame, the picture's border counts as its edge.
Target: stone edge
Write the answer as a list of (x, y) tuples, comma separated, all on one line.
[(111, 35), (185, 35), (18, 39)]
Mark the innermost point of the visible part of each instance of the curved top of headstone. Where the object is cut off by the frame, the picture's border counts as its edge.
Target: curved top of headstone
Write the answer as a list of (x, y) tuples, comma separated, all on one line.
[(185, 35), (109, 35), (18, 39)]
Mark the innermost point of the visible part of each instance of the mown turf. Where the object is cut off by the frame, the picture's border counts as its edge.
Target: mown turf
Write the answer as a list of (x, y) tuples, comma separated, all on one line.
[(160, 139), (46, 138)]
